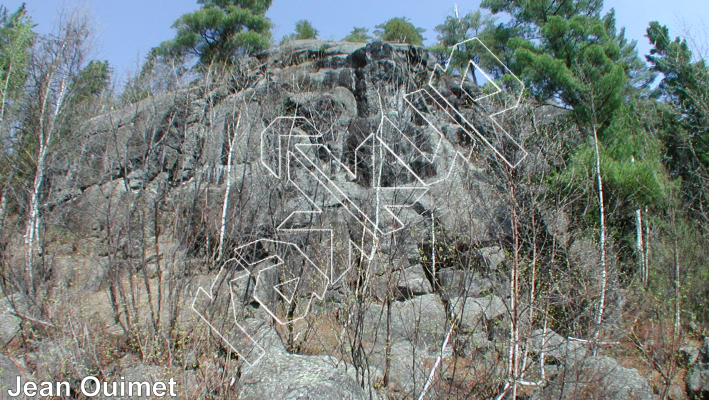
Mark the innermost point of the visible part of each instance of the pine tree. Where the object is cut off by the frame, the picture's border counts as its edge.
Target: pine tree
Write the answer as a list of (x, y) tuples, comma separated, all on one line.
[(221, 31), (399, 30), (457, 30), (684, 112), (16, 37), (305, 30), (358, 35)]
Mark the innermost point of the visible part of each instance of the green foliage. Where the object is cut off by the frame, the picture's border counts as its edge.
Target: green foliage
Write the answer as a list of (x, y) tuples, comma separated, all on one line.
[(92, 81), (358, 35), (457, 30), (631, 163), (571, 56), (533, 14), (305, 30), (221, 31), (578, 63), (399, 30), (685, 112), (567, 53), (16, 37)]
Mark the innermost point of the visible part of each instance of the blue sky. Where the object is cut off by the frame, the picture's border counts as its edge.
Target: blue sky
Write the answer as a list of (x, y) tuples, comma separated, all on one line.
[(127, 29)]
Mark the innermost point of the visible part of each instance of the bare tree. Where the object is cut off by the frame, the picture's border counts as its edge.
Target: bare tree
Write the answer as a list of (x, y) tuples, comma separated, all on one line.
[(57, 62)]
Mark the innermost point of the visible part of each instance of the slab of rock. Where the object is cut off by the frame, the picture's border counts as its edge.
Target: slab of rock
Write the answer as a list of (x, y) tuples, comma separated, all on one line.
[(282, 375), (565, 351), (9, 323), (421, 320), (697, 378), (458, 283), (597, 378), (135, 371), (473, 312), (413, 282)]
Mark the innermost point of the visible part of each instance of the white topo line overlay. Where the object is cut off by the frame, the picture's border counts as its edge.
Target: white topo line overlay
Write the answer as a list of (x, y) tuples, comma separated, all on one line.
[(285, 140)]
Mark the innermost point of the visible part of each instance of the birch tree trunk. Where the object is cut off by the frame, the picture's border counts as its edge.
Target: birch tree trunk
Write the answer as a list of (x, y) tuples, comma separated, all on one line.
[(57, 62), (678, 287), (640, 247), (46, 136), (601, 240), (3, 208), (227, 192)]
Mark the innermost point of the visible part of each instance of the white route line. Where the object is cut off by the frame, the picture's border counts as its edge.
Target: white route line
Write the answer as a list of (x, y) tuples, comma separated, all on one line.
[(302, 153), (208, 297), (454, 114)]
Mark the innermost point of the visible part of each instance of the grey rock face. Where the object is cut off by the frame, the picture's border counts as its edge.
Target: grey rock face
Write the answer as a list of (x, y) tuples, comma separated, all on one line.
[(697, 378), (474, 312), (281, 375), (413, 282), (421, 320), (9, 323), (9, 371), (597, 378)]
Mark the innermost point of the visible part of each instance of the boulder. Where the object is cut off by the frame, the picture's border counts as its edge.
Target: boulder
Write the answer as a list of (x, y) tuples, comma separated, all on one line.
[(474, 312), (493, 256), (457, 283), (697, 377), (9, 322), (597, 377), (407, 370), (412, 282), (421, 320), (10, 369), (282, 375), (688, 355)]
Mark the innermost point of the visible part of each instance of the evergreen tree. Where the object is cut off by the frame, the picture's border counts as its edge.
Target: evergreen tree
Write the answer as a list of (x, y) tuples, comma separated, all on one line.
[(221, 31), (305, 30), (577, 62), (399, 30), (16, 37), (358, 35), (568, 53), (684, 112), (457, 30), (532, 15)]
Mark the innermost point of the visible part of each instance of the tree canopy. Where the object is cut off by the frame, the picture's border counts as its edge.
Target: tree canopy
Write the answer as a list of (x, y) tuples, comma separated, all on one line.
[(16, 37), (221, 31), (305, 30), (454, 31), (684, 91), (358, 35), (399, 30)]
